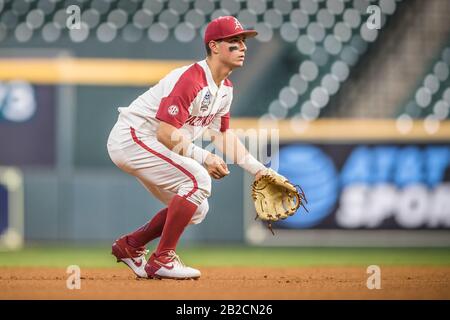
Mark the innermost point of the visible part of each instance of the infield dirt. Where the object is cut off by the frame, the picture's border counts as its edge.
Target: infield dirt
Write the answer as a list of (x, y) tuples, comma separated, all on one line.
[(230, 283)]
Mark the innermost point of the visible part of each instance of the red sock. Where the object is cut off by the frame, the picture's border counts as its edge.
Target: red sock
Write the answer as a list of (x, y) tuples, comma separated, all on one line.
[(149, 231), (180, 212)]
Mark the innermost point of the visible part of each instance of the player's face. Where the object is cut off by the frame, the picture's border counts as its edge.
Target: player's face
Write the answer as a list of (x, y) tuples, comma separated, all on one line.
[(232, 51)]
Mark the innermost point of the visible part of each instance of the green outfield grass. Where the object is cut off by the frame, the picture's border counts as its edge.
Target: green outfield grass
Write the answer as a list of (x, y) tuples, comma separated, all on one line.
[(52, 256)]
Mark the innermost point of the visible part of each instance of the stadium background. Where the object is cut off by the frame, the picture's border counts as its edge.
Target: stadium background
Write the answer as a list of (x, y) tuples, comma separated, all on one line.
[(362, 117)]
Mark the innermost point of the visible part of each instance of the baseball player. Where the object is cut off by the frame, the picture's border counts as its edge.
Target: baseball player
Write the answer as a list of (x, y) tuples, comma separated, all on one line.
[(153, 141)]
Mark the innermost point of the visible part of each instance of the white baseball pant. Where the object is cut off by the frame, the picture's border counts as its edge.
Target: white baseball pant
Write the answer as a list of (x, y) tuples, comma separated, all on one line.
[(162, 172)]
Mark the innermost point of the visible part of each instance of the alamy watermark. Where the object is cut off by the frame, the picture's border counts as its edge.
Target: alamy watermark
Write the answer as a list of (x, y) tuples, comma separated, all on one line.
[(374, 280), (73, 21), (74, 280), (374, 20), (263, 144)]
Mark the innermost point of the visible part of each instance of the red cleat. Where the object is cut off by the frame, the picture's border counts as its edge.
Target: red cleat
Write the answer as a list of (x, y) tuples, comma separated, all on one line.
[(169, 266), (131, 256)]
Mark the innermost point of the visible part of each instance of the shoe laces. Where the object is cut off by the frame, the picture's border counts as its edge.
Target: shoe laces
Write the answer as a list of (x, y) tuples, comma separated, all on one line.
[(174, 257), (136, 254), (142, 252)]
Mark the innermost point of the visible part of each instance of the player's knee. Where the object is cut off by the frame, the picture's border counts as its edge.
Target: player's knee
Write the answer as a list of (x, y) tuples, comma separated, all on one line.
[(203, 184), (200, 213)]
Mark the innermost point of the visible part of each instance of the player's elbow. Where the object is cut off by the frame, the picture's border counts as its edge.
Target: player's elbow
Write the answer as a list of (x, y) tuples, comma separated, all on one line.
[(168, 135), (163, 134), (165, 139)]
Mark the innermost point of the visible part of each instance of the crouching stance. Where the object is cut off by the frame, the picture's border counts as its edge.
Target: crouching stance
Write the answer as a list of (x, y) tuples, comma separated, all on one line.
[(152, 140)]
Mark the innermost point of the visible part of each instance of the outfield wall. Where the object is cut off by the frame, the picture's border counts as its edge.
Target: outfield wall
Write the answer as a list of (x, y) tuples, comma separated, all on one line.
[(368, 183), (73, 192), (372, 178)]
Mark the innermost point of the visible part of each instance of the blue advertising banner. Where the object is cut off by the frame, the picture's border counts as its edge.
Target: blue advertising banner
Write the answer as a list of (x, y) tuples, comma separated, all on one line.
[(27, 124), (369, 186)]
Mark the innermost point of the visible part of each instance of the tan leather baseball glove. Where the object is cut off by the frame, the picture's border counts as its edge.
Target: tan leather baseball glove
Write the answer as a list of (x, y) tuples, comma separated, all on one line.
[(276, 198)]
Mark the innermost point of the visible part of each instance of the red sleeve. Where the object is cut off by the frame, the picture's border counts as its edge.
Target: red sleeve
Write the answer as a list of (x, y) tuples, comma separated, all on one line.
[(173, 111), (225, 122)]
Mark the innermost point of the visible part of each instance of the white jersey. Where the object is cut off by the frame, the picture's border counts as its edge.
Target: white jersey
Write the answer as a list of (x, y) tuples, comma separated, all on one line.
[(187, 98)]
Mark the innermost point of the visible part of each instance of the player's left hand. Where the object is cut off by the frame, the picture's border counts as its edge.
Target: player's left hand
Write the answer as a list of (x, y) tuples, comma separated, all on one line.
[(216, 167)]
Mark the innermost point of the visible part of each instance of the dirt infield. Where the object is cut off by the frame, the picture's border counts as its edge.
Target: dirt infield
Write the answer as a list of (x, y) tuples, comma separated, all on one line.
[(230, 283)]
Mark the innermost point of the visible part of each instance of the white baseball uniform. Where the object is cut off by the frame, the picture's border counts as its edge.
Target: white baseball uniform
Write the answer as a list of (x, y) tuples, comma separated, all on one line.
[(189, 99)]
